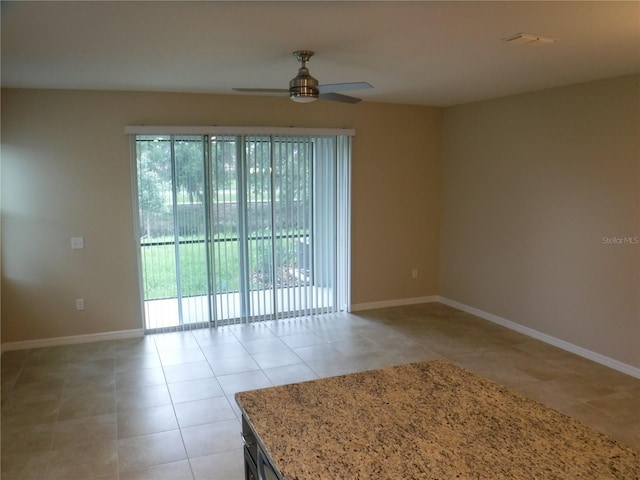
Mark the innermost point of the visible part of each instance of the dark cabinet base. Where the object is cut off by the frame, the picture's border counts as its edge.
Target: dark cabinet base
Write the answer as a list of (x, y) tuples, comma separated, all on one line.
[(250, 469), (256, 463)]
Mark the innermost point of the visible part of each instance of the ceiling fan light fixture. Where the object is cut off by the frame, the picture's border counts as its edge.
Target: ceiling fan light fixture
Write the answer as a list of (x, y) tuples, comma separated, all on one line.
[(301, 98)]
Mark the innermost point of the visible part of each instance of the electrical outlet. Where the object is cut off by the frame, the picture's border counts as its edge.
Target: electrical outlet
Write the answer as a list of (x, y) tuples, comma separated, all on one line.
[(414, 273), (77, 243), (79, 303)]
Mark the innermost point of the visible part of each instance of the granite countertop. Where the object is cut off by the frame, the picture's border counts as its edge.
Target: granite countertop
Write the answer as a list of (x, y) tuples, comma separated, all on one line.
[(428, 420)]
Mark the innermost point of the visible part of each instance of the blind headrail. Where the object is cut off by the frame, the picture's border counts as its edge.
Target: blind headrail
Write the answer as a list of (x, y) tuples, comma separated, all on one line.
[(228, 130)]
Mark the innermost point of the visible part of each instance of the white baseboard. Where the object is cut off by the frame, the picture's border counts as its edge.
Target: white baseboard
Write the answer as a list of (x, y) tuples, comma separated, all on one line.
[(57, 341), (556, 342), (393, 303)]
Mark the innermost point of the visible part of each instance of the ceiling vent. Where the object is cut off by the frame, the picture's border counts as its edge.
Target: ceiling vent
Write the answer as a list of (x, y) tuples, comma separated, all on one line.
[(530, 39)]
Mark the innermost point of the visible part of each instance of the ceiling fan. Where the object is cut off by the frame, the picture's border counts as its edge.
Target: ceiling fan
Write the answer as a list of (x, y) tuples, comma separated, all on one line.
[(304, 88)]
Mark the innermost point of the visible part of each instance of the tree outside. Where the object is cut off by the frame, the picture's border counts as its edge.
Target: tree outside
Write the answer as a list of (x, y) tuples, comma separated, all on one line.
[(158, 203)]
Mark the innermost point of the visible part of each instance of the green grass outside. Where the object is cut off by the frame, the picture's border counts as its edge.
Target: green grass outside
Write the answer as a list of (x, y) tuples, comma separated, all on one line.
[(159, 266)]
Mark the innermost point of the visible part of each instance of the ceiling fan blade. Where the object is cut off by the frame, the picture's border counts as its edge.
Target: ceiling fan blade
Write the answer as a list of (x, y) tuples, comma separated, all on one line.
[(337, 97), (262, 90), (343, 87)]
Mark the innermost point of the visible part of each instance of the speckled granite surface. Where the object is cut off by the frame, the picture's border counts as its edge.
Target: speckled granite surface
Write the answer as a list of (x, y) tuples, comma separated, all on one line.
[(428, 420)]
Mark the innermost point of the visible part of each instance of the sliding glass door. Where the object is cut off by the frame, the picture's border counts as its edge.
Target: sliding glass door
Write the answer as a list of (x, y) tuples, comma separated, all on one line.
[(239, 228)]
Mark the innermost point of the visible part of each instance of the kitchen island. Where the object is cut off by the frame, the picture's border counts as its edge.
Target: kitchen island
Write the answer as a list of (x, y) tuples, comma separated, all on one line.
[(430, 420)]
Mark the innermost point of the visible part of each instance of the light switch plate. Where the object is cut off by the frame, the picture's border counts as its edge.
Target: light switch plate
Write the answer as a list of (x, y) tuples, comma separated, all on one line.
[(77, 243), (79, 303)]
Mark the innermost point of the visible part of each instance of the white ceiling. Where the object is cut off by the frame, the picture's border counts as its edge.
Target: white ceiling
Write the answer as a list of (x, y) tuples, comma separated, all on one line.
[(425, 53)]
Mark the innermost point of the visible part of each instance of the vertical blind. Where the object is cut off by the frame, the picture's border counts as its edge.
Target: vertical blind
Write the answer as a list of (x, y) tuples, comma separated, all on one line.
[(238, 228)]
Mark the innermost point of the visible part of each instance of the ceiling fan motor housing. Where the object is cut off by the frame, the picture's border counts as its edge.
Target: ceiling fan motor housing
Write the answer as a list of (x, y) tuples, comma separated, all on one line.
[(303, 88)]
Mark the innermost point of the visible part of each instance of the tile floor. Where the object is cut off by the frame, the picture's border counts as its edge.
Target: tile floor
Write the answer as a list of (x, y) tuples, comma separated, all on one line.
[(162, 407)]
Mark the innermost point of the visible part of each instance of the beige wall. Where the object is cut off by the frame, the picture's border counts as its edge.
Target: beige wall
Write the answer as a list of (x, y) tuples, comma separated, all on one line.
[(531, 185), (66, 172)]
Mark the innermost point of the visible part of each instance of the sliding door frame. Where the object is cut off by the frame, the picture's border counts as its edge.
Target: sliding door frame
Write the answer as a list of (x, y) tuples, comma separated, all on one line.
[(340, 238)]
